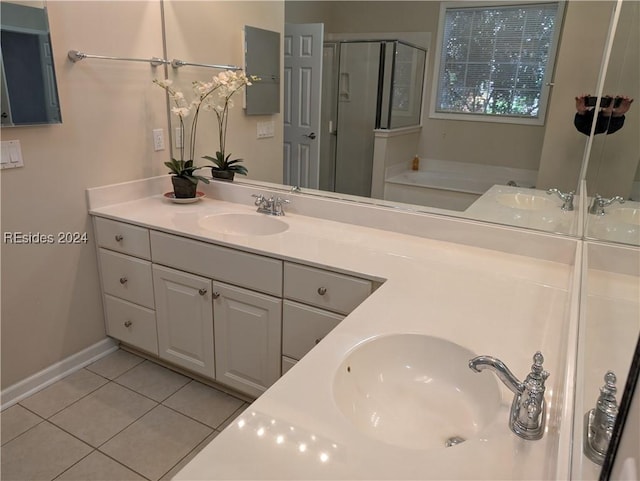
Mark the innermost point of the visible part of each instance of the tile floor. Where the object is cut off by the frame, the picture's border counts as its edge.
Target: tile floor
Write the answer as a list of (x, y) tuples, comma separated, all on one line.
[(120, 418)]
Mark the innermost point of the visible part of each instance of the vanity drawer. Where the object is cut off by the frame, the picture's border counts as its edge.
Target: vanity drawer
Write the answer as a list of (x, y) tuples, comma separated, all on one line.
[(303, 327), (132, 324), (220, 263), (121, 237), (126, 277), (328, 290)]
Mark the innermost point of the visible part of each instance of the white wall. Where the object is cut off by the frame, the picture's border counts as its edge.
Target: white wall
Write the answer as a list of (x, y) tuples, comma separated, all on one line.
[(51, 304)]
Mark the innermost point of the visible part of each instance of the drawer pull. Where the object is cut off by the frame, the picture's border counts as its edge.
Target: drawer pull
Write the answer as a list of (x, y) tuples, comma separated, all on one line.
[(215, 295), (123, 280), (119, 238), (127, 323), (322, 291), (202, 291)]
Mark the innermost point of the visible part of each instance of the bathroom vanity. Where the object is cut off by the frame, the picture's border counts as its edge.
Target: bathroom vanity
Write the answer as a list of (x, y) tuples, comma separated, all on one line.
[(320, 294)]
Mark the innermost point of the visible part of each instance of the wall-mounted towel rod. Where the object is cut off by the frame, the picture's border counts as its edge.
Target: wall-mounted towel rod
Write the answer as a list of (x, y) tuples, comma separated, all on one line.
[(175, 63), (76, 56)]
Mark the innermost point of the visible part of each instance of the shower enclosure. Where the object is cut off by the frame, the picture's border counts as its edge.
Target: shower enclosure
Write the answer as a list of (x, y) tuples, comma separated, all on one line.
[(366, 85)]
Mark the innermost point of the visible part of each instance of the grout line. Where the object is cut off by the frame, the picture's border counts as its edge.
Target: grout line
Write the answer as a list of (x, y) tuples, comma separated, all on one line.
[(78, 461)]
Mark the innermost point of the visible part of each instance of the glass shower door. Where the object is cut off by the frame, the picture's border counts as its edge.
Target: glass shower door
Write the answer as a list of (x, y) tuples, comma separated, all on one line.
[(357, 109)]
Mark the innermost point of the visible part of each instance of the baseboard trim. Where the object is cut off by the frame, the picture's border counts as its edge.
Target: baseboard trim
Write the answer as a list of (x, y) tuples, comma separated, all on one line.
[(55, 372)]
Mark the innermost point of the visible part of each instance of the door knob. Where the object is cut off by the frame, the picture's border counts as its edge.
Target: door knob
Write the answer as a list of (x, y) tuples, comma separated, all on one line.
[(311, 136)]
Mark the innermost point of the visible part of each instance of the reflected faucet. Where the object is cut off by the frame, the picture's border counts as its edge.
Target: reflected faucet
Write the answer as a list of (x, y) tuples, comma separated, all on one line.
[(599, 203), (599, 422), (567, 198), (271, 205), (528, 407)]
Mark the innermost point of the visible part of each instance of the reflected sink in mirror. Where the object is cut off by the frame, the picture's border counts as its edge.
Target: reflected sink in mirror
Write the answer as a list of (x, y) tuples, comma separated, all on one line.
[(415, 391), (628, 215), (243, 224), (522, 201), (620, 223)]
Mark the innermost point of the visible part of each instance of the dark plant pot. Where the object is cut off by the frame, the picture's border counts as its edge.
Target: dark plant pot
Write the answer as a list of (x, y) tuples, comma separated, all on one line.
[(226, 175), (183, 188)]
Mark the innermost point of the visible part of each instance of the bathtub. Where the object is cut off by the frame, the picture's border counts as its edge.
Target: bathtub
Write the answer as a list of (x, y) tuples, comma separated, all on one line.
[(450, 185)]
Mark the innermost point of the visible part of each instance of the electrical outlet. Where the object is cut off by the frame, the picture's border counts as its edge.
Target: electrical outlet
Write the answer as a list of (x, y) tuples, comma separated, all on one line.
[(158, 139)]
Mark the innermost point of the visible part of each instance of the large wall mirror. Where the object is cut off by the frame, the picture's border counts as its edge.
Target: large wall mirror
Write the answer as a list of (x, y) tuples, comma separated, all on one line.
[(491, 171), (28, 88), (614, 163)]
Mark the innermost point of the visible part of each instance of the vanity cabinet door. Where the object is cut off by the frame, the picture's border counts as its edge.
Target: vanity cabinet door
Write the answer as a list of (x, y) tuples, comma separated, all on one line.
[(247, 338), (184, 315)]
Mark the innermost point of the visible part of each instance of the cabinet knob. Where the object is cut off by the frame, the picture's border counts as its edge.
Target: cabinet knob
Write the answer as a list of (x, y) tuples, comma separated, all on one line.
[(202, 291), (127, 323), (322, 291), (119, 238), (215, 295), (123, 280)]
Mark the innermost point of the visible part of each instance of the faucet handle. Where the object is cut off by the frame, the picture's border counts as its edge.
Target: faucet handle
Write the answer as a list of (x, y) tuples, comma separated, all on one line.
[(536, 378), (567, 198), (259, 198)]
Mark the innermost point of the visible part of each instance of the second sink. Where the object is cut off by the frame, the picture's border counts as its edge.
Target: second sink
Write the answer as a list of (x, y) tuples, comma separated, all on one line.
[(415, 391), (243, 224)]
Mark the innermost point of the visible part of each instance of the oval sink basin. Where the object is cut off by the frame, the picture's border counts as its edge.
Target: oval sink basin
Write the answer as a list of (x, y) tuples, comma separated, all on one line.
[(628, 215), (524, 201), (243, 224), (415, 391)]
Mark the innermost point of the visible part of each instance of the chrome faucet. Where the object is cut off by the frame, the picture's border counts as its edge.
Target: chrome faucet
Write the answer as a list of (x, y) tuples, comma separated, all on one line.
[(271, 205), (599, 422), (599, 203), (528, 407), (567, 198)]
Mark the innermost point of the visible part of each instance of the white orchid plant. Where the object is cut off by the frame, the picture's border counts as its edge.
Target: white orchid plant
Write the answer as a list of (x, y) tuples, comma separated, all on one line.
[(228, 83), (215, 95)]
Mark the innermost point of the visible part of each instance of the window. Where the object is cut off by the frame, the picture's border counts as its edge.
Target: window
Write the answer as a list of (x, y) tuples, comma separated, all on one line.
[(494, 61)]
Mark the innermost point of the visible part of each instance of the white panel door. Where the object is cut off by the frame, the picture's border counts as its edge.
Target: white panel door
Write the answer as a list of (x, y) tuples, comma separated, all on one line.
[(302, 93), (248, 333), (184, 314)]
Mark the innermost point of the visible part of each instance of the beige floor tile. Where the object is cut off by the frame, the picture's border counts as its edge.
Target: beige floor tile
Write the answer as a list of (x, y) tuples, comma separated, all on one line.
[(103, 413), (98, 467), (61, 394), (156, 442), (153, 380), (41, 453), (233, 417), (188, 457), (203, 403), (115, 364), (15, 421)]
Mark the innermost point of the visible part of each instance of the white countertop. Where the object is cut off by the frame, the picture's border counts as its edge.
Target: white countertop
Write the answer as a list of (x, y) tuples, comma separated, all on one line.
[(538, 210), (504, 305)]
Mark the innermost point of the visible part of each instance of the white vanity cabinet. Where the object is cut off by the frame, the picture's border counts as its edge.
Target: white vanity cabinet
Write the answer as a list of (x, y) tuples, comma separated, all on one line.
[(237, 339), (240, 318), (125, 273), (316, 300)]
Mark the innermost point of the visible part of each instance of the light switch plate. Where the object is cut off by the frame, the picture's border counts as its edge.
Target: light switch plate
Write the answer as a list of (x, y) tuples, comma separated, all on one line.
[(11, 155), (265, 129)]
